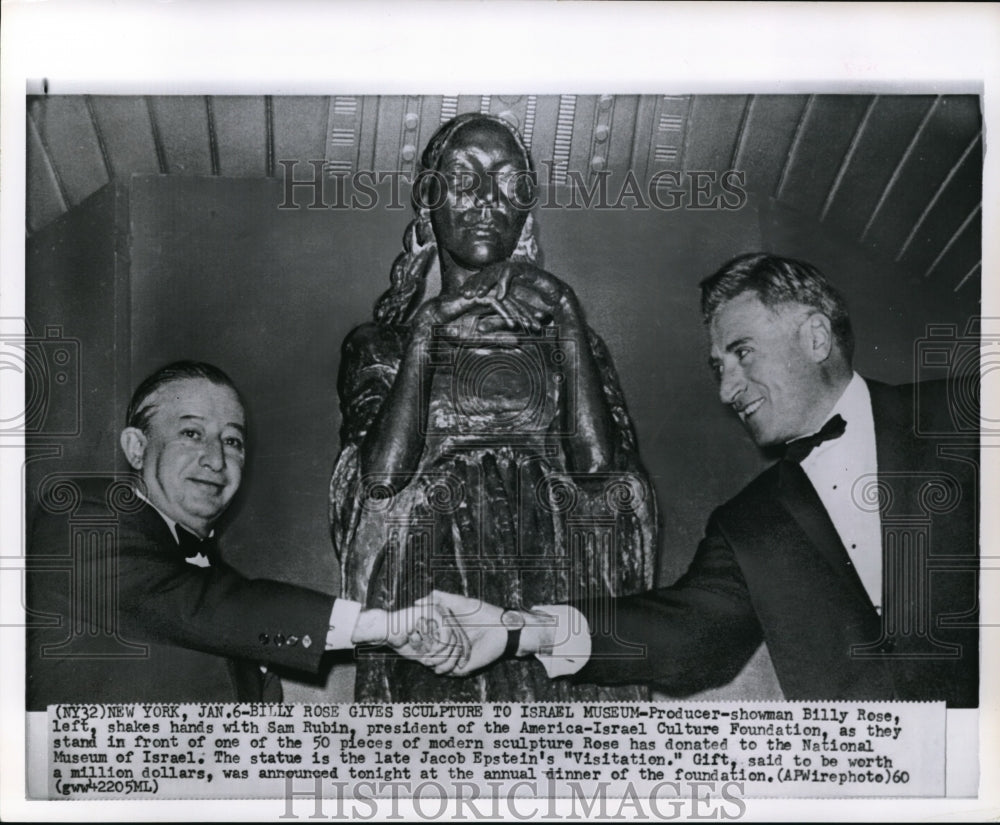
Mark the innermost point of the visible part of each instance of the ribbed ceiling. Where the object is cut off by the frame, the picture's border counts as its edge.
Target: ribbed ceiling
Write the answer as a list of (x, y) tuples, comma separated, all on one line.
[(901, 174)]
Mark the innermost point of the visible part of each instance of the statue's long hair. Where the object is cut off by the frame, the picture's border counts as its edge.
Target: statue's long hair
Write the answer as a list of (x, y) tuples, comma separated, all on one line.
[(408, 277)]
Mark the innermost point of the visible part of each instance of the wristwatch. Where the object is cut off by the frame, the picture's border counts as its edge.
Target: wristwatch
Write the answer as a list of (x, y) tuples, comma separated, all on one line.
[(513, 620)]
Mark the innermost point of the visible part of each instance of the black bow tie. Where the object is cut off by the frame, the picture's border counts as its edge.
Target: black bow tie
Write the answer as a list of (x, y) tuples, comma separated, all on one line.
[(190, 545), (798, 449)]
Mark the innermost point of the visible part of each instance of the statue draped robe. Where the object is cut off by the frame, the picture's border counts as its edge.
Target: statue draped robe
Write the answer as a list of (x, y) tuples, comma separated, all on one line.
[(491, 511)]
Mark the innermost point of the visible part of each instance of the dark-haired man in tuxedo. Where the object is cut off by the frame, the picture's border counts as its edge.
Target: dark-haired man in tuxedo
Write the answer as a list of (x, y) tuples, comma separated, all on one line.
[(853, 557), (154, 615)]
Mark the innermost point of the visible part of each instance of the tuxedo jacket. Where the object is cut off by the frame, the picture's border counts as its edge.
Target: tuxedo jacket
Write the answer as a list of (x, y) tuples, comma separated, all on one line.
[(116, 614), (772, 568)]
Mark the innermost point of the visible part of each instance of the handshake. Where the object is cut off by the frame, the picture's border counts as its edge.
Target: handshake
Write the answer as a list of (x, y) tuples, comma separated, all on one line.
[(456, 635)]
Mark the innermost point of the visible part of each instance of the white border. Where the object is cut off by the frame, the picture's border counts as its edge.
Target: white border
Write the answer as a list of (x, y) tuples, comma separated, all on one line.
[(274, 47)]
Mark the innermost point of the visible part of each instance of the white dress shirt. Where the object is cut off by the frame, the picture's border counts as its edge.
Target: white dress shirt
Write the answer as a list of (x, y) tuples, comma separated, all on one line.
[(571, 645), (838, 469), (199, 560)]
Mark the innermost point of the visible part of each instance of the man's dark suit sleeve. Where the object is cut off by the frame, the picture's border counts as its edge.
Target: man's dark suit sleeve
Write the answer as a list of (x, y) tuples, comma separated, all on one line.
[(694, 635), (160, 598)]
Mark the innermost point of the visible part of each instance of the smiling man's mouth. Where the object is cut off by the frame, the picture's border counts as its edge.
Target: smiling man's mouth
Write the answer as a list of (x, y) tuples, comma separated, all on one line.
[(747, 410), (214, 486)]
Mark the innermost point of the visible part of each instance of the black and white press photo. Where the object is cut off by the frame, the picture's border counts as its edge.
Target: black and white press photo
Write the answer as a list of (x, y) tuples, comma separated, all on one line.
[(558, 452)]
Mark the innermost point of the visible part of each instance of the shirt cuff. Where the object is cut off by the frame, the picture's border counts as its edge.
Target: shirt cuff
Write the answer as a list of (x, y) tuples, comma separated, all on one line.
[(343, 618), (570, 650)]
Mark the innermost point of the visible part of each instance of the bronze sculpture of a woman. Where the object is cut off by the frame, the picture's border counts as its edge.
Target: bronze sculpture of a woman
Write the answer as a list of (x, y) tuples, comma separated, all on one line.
[(485, 446)]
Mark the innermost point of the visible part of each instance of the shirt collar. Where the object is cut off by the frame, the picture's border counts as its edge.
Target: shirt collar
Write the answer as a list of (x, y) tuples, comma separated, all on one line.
[(855, 407), (855, 401), (852, 403)]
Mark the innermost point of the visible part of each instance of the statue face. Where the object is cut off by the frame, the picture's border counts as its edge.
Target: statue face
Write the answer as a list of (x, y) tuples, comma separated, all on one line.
[(479, 222)]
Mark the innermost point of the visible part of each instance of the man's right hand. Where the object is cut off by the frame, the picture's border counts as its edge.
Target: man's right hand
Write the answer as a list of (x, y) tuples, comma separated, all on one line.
[(425, 633), (480, 624), (484, 632)]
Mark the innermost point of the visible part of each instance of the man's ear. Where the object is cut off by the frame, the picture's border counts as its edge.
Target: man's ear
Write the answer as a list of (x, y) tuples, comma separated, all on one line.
[(816, 335), (133, 443)]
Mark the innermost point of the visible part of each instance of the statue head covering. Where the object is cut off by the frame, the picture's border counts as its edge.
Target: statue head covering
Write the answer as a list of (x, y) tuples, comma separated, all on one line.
[(408, 277)]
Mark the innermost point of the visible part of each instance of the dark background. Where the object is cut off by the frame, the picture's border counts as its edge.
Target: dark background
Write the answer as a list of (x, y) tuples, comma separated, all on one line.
[(153, 268)]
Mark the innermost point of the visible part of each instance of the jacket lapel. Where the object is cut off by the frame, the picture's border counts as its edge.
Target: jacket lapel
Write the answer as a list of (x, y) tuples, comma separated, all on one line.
[(894, 446), (798, 497)]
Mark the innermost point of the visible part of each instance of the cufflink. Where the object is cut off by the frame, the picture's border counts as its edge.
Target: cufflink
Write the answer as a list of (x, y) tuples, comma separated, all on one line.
[(263, 638), (292, 641), (279, 639), (306, 641)]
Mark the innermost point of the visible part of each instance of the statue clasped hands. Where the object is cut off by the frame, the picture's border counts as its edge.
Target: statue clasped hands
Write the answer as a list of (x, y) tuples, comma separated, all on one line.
[(509, 296)]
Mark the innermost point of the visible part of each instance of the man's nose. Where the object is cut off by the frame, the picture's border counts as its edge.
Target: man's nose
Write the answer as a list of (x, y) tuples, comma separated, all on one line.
[(731, 384), (213, 456)]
